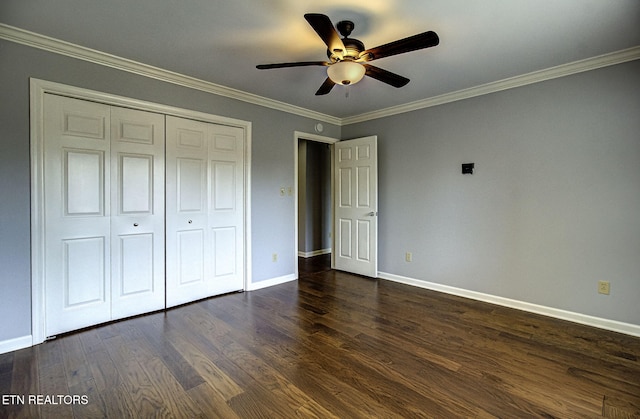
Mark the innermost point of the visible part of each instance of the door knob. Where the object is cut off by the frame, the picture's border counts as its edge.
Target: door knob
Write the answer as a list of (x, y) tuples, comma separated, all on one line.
[(189, 221), (372, 214), (135, 224)]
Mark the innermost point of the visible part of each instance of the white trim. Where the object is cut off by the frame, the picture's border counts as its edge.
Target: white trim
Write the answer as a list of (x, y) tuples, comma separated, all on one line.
[(612, 325), (271, 282), (38, 88), (314, 253), (248, 267), (15, 344), (35, 40), (297, 136), (68, 49), (568, 69)]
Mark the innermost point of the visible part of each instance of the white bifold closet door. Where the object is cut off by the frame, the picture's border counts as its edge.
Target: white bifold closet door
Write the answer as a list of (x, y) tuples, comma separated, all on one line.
[(104, 213), (205, 210)]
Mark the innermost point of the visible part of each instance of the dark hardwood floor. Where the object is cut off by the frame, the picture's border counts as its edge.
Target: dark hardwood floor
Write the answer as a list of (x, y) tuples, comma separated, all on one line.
[(328, 345)]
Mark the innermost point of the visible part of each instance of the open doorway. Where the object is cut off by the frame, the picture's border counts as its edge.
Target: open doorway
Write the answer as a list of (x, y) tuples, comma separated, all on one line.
[(314, 201), (314, 198)]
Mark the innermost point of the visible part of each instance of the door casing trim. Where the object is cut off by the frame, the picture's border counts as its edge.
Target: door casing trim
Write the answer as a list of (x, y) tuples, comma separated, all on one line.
[(297, 136)]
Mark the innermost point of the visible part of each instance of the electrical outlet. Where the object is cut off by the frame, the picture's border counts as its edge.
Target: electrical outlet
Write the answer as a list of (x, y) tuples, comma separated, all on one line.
[(274, 257), (603, 287), (290, 191), (408, 257)]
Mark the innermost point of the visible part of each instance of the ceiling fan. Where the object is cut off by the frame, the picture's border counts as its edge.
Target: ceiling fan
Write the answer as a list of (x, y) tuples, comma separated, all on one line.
[(348, 58)]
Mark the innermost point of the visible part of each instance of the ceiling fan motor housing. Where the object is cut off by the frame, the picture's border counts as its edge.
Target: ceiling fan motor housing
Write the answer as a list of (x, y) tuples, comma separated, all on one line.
[(353, 49)]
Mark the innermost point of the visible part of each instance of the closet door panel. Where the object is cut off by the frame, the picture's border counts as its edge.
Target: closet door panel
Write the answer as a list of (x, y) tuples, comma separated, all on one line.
[(226, 212), (188, 248), (77, 214), (137, 222)]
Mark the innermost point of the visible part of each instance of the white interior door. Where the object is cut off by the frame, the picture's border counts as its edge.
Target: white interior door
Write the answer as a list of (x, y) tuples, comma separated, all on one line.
[(205, 210), (137, 212), (77, 214), (356, 206)]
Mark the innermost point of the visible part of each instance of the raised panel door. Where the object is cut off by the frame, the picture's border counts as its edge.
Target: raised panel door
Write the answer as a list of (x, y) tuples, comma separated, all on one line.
[(356, 206), (77, 214), (187, 243), (226, 209), (137, 212)]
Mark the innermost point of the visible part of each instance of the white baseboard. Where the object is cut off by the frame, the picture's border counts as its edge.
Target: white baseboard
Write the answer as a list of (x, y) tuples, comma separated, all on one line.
[(15, 344), (612, 325), (314, 253), (271, 282)]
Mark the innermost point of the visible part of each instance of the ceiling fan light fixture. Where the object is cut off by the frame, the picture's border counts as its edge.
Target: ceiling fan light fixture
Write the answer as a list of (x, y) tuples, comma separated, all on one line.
[(346, 72)]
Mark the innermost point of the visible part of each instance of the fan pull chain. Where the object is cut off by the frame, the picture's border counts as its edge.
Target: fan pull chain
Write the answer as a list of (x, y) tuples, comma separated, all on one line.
[(346, 91)]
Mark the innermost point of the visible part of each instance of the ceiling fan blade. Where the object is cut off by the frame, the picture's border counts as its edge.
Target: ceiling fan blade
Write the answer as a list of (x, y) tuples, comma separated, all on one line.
[(326, 87), (324, 28), (297, 64), (412, 43), (385, 76)]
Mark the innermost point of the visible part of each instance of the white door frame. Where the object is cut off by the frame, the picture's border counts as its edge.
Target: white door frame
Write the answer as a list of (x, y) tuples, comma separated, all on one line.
[(297, 136), (38, 88)]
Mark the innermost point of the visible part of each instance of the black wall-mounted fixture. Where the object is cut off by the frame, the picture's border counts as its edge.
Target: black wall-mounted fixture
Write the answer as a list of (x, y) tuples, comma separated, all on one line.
[(467, 168)]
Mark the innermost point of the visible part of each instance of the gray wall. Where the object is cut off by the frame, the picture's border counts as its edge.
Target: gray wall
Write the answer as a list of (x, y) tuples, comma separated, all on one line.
[(554, 204), (272, 165)]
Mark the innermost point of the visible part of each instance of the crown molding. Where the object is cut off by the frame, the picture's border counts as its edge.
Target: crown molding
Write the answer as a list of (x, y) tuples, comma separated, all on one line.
[(57, 46), (35, 40), (575, 67)]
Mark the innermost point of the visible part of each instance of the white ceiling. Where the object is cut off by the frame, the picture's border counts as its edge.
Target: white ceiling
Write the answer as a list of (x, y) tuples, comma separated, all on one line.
[(222, 41)]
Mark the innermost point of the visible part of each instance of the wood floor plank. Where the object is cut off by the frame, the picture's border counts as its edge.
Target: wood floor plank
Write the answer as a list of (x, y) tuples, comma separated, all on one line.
[(53, 382), (94, 407), (24, 382), (180, 368), (6, 363), (174, 397), (103, 370), (142, 395), (256, 402), (75, 363), (118, 404), (211, 402), (620, 408), (91, 341), (215, 378), (49, 353), (270, 379)]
